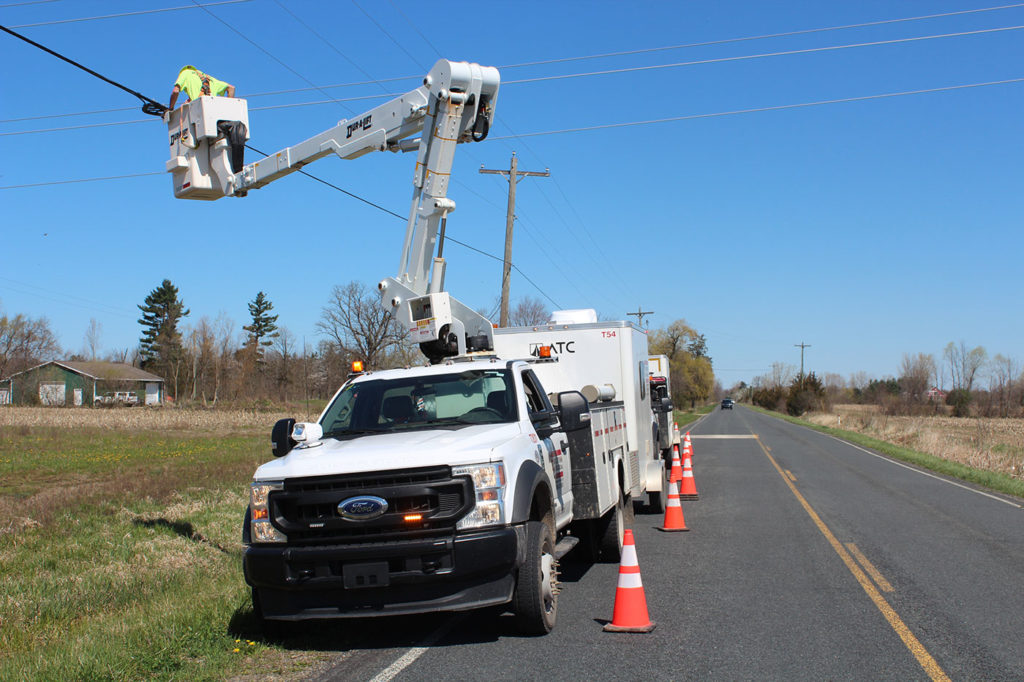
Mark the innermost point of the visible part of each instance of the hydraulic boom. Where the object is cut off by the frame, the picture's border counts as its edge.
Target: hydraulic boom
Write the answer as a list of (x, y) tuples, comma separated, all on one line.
[(455, 104)]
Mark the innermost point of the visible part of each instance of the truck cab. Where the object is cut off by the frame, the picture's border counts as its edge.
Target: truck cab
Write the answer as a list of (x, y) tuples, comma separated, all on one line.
[(438, 488)]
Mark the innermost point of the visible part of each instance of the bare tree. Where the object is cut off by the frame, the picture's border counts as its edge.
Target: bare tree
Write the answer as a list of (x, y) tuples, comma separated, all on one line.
[(25, 342), (964, 364), (916, 372), (781, 374), (356, 323), (859, 380), (528, 312), (92, 338), (1002, 382)]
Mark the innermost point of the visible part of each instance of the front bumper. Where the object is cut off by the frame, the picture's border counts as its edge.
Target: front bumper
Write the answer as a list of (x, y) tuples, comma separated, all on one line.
[(441, 573)]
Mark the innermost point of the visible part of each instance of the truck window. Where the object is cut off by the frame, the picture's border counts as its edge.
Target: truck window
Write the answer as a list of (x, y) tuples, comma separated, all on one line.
[(536, 400), (455, 399)]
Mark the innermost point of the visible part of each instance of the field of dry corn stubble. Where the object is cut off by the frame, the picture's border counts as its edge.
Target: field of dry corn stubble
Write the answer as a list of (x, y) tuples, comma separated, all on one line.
[(983, 443)]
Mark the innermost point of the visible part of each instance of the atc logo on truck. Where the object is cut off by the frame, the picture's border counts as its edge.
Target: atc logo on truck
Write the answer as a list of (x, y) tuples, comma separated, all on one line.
[(363, 508), (557, 348)]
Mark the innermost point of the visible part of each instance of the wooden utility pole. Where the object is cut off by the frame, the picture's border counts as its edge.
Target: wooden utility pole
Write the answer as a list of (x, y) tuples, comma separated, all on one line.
[(801, 346), (513, 175), (639, 314)]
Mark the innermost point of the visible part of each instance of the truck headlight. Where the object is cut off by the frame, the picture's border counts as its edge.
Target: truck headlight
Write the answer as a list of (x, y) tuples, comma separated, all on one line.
[(259, 510), (489, 484)]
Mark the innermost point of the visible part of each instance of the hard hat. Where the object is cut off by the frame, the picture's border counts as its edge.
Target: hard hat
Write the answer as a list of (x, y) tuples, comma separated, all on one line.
[(187, 66)]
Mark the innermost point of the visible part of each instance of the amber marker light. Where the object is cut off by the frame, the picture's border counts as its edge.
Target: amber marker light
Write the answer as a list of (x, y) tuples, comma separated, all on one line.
[(258, 514), (357, 365), (413, 517), (544, 352)]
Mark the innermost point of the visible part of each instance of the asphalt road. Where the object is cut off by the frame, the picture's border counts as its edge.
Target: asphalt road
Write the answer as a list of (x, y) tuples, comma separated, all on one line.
[(808, 558)]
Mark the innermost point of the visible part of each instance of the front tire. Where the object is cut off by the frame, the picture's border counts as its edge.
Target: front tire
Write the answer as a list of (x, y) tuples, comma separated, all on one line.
[(536, 599)]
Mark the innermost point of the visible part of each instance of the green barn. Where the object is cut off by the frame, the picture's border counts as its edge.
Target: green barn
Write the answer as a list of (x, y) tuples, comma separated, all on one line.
[(69, 382)]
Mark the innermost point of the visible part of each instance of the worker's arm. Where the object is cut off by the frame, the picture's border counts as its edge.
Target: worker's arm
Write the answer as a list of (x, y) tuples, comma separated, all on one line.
[(230, 91), (174, 96)]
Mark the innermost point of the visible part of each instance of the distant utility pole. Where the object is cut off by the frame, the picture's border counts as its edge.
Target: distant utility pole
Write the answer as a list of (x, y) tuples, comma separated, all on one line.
[(639, 314), (801, 346), (514, 176)]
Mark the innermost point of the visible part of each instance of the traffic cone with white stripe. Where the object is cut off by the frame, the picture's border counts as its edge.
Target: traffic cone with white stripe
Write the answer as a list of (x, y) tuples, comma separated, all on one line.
[(630, 612), (675, 475), (688, 490), (687, 445), (674, 521)]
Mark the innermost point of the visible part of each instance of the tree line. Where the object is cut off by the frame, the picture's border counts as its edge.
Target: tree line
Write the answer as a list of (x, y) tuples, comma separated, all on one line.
[(962, 382)]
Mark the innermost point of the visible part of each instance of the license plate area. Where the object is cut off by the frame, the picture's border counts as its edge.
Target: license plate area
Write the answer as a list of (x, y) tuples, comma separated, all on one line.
[(359, 576)]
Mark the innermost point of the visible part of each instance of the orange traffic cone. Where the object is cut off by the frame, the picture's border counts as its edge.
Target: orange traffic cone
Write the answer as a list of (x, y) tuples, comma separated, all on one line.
[(674, 521), (687, 445), (676, 473), (688, 490), (630, 613)]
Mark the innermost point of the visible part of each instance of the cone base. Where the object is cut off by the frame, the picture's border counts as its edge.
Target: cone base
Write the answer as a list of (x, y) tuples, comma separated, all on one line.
[(635, 628), (671, 530), (689, 497)]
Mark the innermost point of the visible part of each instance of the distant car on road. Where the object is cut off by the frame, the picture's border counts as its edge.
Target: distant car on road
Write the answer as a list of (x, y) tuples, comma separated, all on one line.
[(727, 403)]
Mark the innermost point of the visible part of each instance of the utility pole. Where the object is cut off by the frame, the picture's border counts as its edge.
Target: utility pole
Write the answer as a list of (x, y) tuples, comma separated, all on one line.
[(801, 346), (639, 314), (513, 175)]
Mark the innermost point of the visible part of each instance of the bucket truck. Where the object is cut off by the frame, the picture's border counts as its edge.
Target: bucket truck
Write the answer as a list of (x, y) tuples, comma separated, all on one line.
[(446, 487)]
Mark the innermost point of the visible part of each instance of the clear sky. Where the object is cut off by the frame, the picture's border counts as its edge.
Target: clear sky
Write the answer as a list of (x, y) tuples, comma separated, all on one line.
[(866, 228)]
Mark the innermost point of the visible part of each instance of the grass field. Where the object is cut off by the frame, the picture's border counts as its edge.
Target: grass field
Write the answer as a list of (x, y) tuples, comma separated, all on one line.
[(121, 547)]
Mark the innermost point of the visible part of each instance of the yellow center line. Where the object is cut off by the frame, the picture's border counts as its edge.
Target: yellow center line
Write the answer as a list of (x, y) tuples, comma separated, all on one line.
[(791, 476), (869, 567), (931, 667)]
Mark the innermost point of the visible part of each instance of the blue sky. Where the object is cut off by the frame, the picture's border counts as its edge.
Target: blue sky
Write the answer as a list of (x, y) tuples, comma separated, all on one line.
[(867, 228)]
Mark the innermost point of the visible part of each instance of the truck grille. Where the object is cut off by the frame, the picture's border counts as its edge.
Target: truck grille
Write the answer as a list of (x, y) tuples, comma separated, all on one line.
[(306, 510)]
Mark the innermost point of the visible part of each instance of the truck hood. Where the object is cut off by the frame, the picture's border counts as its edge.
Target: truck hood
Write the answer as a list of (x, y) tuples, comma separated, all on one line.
[(388, 451)]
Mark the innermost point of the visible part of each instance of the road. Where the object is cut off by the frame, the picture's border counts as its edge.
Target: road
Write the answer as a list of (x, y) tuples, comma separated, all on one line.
[(808, 558)]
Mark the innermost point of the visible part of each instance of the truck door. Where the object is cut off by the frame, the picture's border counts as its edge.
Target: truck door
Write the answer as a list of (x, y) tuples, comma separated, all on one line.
[(552, 445)]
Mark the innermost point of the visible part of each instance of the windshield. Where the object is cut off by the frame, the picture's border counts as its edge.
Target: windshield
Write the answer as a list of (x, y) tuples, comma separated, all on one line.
[(388, 405)]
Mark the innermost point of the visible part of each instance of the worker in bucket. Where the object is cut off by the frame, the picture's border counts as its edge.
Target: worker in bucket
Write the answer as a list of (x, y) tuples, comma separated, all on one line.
[(195, 83)]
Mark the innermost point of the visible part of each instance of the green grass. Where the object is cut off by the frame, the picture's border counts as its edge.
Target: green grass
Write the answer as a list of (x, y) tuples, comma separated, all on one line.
[(127, 561), (989, 479), (684, 419)]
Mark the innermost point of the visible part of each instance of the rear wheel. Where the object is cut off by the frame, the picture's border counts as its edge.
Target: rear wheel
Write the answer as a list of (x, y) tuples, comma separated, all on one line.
[(536, 600), (613, 527), (657, 501)]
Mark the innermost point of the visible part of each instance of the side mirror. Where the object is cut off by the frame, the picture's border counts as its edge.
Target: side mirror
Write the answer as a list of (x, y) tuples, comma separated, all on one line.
[(281, 441), (666, 405), (573, 411)]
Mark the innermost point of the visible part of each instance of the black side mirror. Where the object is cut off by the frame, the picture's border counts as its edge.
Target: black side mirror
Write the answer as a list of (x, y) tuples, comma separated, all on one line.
[(281, 441), (573, 411), (666, 405)]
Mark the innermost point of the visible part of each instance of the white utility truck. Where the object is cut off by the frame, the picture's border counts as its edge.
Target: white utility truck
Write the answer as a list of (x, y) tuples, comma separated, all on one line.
[(446, 487), (661, 404)]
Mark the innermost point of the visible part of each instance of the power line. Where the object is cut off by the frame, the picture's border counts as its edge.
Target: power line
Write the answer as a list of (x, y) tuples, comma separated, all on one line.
[(127, 14), (764, 36), (69, 182), (782, 53), (28, 2), (390, 37), (570, 59), (779, 107)]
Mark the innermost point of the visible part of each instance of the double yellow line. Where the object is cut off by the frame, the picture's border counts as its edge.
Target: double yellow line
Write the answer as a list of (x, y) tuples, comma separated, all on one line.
[(912, 643)]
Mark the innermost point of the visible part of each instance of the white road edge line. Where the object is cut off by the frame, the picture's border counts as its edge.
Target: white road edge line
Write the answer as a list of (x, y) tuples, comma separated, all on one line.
[(410, 656), (924, 473)]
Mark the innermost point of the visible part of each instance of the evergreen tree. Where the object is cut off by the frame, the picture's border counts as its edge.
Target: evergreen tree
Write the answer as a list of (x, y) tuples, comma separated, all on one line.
[(263, 329), (160, 344)]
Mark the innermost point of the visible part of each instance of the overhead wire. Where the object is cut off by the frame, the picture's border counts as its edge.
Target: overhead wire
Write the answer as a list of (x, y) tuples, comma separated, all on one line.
[(390, 37), (576, 58), (780, 53), (126, 14)]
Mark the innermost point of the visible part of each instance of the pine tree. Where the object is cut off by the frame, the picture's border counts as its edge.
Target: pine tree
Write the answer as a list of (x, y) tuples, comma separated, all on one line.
[(160, 344), (263, 329)]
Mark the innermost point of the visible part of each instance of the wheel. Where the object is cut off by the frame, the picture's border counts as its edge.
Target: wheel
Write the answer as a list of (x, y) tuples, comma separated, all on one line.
[(536, 599), (657, 501), (272, 629), (613, 528)]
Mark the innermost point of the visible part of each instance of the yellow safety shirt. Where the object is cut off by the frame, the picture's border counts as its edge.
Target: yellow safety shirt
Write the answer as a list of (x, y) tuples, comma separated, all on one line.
[(196, 83)]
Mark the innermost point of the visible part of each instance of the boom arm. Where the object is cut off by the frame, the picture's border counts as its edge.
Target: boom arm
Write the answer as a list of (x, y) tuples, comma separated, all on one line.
[(455, 104)]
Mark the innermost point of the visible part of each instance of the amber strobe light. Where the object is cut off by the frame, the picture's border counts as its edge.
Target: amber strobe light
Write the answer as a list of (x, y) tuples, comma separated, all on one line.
[(413, 517), (544, 352), (357, 365)]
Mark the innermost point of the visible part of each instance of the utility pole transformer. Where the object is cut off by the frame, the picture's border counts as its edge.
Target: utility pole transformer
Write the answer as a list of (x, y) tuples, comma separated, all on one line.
[(513, 174)]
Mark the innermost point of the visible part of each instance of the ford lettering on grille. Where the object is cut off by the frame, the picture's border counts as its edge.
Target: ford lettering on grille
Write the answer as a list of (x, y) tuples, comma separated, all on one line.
[(363, 508)]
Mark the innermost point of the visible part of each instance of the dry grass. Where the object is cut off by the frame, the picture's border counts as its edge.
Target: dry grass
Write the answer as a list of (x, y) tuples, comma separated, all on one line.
[(988, 444), (144, 419)]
